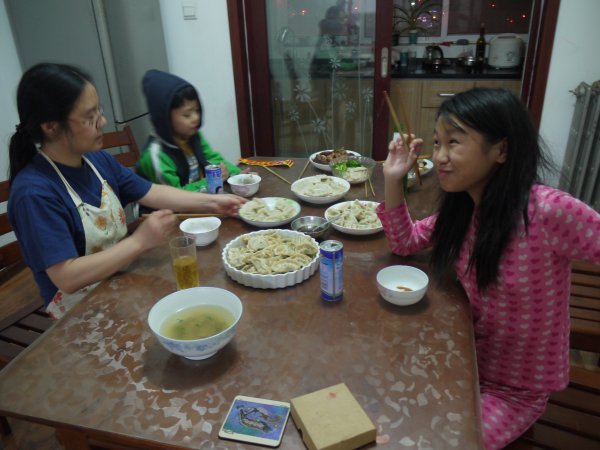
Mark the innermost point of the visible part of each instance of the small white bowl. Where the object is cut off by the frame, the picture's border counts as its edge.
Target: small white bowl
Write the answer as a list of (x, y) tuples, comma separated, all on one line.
[(187, 298), (204, 230), (391, 281), (244, 184)]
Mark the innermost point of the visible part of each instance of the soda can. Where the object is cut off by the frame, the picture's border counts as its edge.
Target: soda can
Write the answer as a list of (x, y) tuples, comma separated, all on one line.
[(214, 178), (332, 270)]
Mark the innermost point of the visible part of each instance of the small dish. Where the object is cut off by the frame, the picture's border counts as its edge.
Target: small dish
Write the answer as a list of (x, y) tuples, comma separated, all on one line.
[(325, 166), (313, 226), (262, 207), (204, 230), (402, 285), (425, 166), (309, 189)]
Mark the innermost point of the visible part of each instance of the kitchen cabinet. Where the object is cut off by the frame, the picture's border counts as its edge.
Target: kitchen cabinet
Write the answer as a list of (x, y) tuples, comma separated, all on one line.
[(408, 92), (423, 97)]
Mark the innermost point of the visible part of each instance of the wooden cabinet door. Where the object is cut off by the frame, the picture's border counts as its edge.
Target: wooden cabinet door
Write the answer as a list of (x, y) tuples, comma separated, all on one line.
[(511, 85), (407, 93), (434, 92)]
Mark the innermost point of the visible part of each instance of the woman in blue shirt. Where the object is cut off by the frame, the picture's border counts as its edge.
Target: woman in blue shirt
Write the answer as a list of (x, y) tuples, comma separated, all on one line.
[(67, 196)]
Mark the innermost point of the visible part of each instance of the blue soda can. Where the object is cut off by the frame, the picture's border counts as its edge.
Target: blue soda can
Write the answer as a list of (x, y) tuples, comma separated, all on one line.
[(332, 270), (214, 178)]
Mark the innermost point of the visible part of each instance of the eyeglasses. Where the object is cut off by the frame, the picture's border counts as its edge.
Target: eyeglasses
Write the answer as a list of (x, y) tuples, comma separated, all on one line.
[(94, 121)]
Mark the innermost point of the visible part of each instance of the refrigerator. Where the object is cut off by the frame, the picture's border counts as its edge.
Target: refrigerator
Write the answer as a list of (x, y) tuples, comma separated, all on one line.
[(115, 41)]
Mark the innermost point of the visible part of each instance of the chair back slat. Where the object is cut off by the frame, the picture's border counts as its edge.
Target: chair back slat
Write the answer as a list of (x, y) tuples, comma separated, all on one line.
[(122, 138), (11, 258)]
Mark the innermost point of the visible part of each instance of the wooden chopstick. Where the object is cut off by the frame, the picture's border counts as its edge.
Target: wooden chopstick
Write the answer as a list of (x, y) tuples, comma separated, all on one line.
[(189, 216), (304, 169), (397, 125), (395, 118), (418, 157), (276, 174), (366, 190), (405, 118), (371, 186)]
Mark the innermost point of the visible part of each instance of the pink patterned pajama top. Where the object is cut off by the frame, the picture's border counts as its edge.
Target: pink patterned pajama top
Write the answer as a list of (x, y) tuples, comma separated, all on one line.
[(522, 323)]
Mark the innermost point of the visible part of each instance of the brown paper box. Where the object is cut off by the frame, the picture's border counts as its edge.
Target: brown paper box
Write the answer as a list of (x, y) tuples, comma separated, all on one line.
[(332, 419)]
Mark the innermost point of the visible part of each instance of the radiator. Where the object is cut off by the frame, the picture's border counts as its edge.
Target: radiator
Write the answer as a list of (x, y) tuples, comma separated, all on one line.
[(580, 175)]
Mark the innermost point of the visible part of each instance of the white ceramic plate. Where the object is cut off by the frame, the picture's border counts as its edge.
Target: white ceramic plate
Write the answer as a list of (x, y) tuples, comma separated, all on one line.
[(270, 202), (427, 167), (270, 281), (323, 199), (347, 230), (325, 167)]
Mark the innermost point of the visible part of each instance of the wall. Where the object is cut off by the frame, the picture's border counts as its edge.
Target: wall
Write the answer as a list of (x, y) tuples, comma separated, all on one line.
[(9, 79), (200, 51), (574, 59)]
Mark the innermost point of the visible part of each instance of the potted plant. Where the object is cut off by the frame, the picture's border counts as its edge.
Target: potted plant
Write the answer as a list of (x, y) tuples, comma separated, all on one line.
[(410, 17)]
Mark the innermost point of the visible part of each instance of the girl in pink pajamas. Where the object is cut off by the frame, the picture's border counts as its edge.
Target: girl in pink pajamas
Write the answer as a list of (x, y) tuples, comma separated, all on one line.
[(508, 239)]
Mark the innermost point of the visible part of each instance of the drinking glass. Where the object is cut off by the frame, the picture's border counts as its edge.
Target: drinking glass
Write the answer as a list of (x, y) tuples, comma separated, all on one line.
[(185, 263)]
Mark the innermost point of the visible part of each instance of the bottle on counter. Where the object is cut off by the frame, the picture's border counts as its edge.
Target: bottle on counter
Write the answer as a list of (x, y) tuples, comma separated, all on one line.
[(480, 44)]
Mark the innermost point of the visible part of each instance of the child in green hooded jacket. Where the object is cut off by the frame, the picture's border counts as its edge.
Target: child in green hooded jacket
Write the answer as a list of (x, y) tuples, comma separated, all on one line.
[(177, 153)]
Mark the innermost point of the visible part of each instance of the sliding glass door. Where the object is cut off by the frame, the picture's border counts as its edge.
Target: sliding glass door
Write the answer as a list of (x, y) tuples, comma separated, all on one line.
[(316, 77)]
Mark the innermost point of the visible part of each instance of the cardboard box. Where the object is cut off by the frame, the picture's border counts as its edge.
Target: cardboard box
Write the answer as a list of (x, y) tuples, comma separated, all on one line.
[(332, 419)]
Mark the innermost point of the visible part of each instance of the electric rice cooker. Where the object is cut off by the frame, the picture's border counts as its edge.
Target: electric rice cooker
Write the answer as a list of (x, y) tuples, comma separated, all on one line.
[(505, 51)]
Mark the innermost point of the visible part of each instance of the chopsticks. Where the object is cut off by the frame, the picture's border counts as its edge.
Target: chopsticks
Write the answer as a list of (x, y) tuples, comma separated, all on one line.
[(397, 125), (276, 174), (189, 215), (304, 169), (371, 186)]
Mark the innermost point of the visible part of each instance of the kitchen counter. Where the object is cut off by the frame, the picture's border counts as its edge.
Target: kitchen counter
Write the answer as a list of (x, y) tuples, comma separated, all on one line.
[(453, 70)]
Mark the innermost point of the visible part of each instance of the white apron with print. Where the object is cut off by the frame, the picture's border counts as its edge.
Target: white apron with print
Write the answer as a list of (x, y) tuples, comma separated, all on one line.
[(103, 227)]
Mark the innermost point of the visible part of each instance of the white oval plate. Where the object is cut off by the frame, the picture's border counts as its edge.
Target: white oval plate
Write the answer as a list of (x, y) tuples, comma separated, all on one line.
[(325, 167), (320, 200), (427, 167), (276, 281), (355, 231), (270, 202)]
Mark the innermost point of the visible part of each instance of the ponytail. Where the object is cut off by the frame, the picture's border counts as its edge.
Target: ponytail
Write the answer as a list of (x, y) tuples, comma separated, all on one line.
[(21, 151), (47, 93)]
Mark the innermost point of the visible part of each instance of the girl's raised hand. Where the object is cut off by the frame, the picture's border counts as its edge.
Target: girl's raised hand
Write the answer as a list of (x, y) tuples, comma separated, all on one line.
[(400, 160)]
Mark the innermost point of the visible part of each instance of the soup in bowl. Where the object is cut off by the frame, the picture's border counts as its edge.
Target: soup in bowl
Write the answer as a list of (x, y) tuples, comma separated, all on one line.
[(197, 322)]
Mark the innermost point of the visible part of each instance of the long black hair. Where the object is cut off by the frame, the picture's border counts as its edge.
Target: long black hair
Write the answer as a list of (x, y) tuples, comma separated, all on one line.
[(497, 114), (47, 92)]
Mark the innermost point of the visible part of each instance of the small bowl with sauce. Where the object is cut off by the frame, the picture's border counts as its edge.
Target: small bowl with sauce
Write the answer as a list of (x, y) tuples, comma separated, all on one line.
[(204, 230), (197, 322), (402, 285), (314, 226)]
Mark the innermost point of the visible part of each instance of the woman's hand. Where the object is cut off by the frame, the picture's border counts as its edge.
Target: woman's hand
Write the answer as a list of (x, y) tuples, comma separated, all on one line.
[(155, 229), (228, 204), (400, 160)]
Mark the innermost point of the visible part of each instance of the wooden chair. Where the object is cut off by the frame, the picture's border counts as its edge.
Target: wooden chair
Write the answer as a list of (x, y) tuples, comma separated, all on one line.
[(22, 316), (572, 418), (123, 138)]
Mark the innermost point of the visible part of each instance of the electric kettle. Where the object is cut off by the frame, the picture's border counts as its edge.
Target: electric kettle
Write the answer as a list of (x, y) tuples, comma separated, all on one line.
[(433, 52)]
